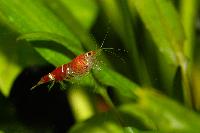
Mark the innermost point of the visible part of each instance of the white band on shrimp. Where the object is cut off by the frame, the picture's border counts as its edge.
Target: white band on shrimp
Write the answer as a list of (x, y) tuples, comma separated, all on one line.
[(51, 76), (62, 69)]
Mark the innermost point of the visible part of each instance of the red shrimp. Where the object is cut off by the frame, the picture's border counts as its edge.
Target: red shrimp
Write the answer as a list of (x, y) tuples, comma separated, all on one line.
[(79, 66)]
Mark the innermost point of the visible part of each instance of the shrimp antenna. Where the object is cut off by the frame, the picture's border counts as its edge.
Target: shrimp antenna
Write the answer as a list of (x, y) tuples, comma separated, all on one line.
[(107, 48), (105, 37)]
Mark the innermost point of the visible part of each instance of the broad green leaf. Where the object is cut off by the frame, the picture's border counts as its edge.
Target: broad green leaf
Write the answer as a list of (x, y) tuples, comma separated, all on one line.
[(58, 7), (31, 16), (49, 54), (163, 23), (162, 20), (166, 115), (44, 36), (132, 115), (103, 123), (53, 57), (85, 11), (36, 18), (111, 78), (108, 122)]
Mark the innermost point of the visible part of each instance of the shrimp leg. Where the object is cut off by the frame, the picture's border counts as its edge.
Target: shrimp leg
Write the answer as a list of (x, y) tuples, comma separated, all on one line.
[(62, 85), (51, 85)]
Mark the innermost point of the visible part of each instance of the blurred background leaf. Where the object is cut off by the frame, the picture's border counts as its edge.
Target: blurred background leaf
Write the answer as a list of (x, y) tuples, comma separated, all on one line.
[(162, 21)]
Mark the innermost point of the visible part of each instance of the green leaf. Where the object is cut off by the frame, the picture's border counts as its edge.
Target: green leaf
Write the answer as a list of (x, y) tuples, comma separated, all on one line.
[(85, 11), (105, 123), (111, 78), (108, 122), (82, 34), (162, 113), (45, 36), (163, 23), (36, 17), (162, 20), (53, 57)]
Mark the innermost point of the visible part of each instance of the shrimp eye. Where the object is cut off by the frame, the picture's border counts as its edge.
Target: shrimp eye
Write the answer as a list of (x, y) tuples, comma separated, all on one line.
[(89, 53)]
